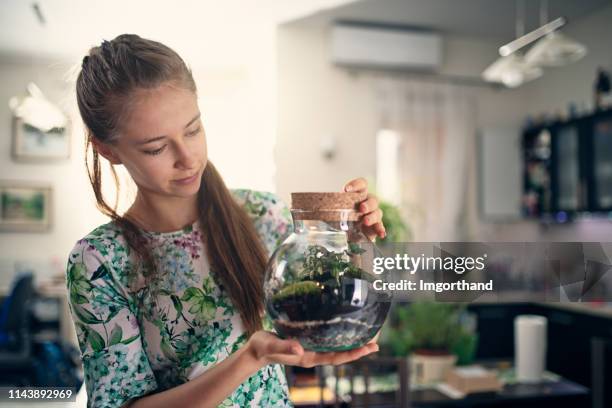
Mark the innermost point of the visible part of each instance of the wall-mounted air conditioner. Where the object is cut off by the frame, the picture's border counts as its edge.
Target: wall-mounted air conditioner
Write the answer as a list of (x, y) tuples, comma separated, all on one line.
[(376, 46)]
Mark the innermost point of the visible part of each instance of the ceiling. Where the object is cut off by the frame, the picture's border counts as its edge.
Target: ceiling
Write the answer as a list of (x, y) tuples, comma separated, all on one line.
[(215, 33), (481, 18), (206, 31)]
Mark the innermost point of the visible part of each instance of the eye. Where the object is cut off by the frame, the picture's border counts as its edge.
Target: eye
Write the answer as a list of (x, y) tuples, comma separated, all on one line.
[(194, 132), (156, 151)]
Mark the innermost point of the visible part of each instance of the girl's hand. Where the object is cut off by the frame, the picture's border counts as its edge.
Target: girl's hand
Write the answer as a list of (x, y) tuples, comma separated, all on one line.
[(371, 221), (267, 348)]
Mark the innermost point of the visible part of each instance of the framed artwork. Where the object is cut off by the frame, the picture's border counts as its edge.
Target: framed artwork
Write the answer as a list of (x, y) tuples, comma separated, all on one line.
[(25, 206), (31, 144)]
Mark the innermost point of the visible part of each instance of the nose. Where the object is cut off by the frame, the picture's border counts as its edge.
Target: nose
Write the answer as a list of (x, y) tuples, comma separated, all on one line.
[(185, 158)]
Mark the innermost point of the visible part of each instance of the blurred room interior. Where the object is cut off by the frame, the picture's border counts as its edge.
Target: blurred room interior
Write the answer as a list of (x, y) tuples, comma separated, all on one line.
[(306, 95)]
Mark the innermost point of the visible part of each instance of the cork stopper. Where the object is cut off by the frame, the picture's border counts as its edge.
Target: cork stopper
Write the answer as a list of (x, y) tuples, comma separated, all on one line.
[(327, 206)]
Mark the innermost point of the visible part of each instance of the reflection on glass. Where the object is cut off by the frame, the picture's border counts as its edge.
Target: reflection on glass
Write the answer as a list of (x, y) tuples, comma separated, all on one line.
[(568, 177)]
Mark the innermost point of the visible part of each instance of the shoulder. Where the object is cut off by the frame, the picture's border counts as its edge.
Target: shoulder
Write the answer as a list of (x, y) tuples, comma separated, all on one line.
[(104, 239), (270, 215), (261, 203), (102, 248), (245, 195)]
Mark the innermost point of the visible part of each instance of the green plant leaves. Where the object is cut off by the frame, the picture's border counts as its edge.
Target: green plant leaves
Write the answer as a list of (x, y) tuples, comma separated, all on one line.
[(208, 285), (113, 312), (115, 336), (77, 271), (77, 298), (96, 341), (238, 343), (78, 285), (396, 228), (167, 349), (355, 249), (130, 339), (85, 315), (191, 293), (178, 305), (164, 292), (320, 264), (429, 325), (101, 272), (201, 304), (256, 209)]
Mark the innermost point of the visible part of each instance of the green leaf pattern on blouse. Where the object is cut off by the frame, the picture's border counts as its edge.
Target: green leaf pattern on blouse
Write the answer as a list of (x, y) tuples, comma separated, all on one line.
[(137, 339)]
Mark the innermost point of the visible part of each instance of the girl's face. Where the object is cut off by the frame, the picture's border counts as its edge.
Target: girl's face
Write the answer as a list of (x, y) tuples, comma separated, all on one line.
[(162, 142)]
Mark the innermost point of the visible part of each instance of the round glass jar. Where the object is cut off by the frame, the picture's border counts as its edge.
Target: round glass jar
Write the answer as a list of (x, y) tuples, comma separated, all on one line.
[(319, 281)]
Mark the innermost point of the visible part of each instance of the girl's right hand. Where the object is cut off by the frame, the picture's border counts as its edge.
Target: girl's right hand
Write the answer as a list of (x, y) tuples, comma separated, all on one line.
[(267, 348)]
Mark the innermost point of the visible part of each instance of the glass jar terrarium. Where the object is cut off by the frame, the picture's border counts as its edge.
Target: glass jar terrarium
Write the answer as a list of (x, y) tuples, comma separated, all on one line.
[(319, 285)]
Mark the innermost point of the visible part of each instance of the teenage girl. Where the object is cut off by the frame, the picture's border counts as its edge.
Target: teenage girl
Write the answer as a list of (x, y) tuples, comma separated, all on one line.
[(167, 299)]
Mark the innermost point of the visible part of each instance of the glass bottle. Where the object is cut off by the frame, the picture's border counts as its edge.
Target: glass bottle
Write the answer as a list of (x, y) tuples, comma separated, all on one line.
[(319, 284)]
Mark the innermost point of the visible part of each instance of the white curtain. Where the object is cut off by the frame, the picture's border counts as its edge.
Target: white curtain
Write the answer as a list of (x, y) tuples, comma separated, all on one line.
[(437, 126)]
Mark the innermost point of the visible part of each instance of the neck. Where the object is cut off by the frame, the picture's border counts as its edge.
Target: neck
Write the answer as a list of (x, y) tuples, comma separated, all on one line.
[(162, 215)]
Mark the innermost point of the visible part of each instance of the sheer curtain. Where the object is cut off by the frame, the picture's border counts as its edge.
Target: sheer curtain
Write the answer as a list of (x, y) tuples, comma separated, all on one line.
[(437, 126)]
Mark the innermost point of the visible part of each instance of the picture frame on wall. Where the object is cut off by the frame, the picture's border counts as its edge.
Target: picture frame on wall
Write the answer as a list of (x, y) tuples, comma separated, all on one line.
[(25, 206), (31, 144)]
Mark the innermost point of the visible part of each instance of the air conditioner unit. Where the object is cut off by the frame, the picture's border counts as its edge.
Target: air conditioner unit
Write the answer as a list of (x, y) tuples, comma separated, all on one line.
[(385, 47)]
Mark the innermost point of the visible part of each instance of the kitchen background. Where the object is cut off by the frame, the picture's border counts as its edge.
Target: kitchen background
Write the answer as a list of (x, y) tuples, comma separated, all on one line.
[(284, 112)]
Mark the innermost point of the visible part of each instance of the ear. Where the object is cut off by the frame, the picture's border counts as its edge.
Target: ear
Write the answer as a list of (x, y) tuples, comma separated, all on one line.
[(106, 150)]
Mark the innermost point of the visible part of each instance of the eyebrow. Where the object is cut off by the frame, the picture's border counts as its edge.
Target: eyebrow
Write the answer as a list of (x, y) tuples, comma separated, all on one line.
[(155, 139)]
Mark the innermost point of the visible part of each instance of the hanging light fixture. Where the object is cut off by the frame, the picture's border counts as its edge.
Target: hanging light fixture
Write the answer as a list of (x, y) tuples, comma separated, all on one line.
[(532, 36), (511, 69), (555, 49)]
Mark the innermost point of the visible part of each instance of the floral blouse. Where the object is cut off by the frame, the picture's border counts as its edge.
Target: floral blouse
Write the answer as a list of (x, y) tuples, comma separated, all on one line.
[(137, 339)]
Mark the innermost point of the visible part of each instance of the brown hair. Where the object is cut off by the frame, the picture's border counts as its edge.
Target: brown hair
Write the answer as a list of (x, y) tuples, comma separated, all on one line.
[(109, 75)]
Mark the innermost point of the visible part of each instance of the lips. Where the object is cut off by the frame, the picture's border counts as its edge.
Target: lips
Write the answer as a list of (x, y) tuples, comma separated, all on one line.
[(187, 178)]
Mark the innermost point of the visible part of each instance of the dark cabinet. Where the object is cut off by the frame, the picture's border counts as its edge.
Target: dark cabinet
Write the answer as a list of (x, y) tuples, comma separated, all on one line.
[(568, 167), (600, 172), (570, 334)]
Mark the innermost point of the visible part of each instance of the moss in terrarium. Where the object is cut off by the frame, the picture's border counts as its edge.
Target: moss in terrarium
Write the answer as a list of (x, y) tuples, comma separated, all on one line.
[(298, 289), (355, 249), (354, 272)]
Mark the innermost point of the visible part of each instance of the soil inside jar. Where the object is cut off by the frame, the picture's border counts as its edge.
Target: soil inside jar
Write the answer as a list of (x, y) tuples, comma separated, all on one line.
[(335, 317)]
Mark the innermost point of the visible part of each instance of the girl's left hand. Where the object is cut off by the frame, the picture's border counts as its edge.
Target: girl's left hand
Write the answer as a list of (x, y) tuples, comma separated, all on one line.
[(371, 220)]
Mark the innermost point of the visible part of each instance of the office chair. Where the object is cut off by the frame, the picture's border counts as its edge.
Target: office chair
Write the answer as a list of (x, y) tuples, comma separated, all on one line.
[(16, 357)]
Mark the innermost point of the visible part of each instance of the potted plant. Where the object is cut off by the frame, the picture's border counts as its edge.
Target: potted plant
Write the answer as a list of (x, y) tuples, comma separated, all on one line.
[(432, 334), (395, 226)]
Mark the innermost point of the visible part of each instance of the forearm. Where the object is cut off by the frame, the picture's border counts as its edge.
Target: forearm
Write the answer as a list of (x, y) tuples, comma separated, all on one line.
[(208, 389)]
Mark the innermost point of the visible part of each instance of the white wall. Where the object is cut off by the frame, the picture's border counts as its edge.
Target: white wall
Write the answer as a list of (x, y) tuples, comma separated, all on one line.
[(317, 99), (73, 205)]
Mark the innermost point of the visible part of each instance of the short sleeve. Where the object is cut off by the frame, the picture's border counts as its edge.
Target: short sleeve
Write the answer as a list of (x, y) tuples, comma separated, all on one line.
[(271, 216), (114, 361)]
